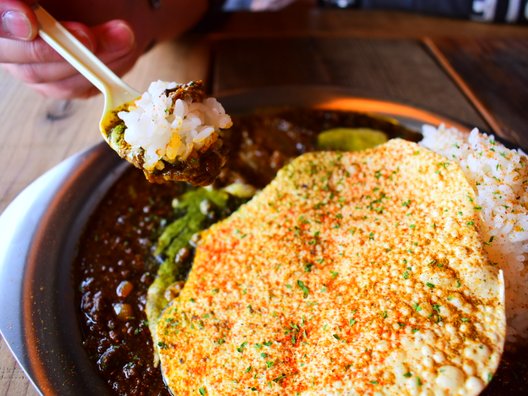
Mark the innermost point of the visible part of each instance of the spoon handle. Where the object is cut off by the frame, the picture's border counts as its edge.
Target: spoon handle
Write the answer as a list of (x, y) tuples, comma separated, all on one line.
[(80, 57)]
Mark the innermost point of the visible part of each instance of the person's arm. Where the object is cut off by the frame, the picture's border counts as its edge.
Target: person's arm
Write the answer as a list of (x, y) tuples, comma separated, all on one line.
[(117, 31)]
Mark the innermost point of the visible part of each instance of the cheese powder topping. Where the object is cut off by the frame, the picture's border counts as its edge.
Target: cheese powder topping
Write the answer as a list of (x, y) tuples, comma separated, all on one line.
[(357, 273)]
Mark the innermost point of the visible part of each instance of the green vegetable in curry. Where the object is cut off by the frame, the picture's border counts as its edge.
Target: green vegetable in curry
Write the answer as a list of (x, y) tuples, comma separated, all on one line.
[(195, 210), (350, 139)]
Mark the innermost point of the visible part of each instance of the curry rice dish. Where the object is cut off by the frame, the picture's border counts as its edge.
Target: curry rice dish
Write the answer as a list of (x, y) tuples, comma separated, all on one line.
[(357, 273)]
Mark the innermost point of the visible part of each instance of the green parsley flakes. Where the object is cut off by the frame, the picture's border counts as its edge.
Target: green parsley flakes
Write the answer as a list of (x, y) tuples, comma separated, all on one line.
[(304, 288)]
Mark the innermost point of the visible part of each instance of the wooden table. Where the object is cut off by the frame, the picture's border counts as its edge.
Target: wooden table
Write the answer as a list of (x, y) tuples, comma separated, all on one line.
[(472, 72)]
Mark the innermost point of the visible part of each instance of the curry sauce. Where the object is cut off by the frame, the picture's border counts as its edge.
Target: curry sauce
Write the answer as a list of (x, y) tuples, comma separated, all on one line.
[(116, 259)]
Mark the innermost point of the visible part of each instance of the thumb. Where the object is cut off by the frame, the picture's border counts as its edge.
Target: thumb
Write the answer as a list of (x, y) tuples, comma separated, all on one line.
[(17, 20)]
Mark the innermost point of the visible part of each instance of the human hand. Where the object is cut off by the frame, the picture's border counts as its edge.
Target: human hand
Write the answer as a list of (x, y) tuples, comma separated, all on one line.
[(31, 60), (118, 32)]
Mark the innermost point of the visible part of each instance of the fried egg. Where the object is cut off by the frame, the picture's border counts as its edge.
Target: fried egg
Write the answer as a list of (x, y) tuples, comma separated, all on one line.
[(351, 273)]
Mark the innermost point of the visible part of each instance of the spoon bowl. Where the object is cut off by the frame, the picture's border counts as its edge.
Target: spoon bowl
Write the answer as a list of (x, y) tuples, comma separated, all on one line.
[(116, 92)]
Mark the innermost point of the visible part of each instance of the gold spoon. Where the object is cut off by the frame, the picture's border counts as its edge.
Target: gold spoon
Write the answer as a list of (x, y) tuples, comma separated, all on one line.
[(116, 92)]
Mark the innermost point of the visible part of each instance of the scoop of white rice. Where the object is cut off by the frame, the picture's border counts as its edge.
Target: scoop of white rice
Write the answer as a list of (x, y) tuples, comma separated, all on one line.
[(167, 132), (500, 179)]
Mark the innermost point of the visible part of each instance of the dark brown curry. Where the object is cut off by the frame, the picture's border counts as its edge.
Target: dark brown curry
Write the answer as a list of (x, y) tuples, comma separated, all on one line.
[(115, 264)]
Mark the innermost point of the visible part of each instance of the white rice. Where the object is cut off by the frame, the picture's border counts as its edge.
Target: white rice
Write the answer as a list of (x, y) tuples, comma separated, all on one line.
[(500, 179), (171, 133)]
